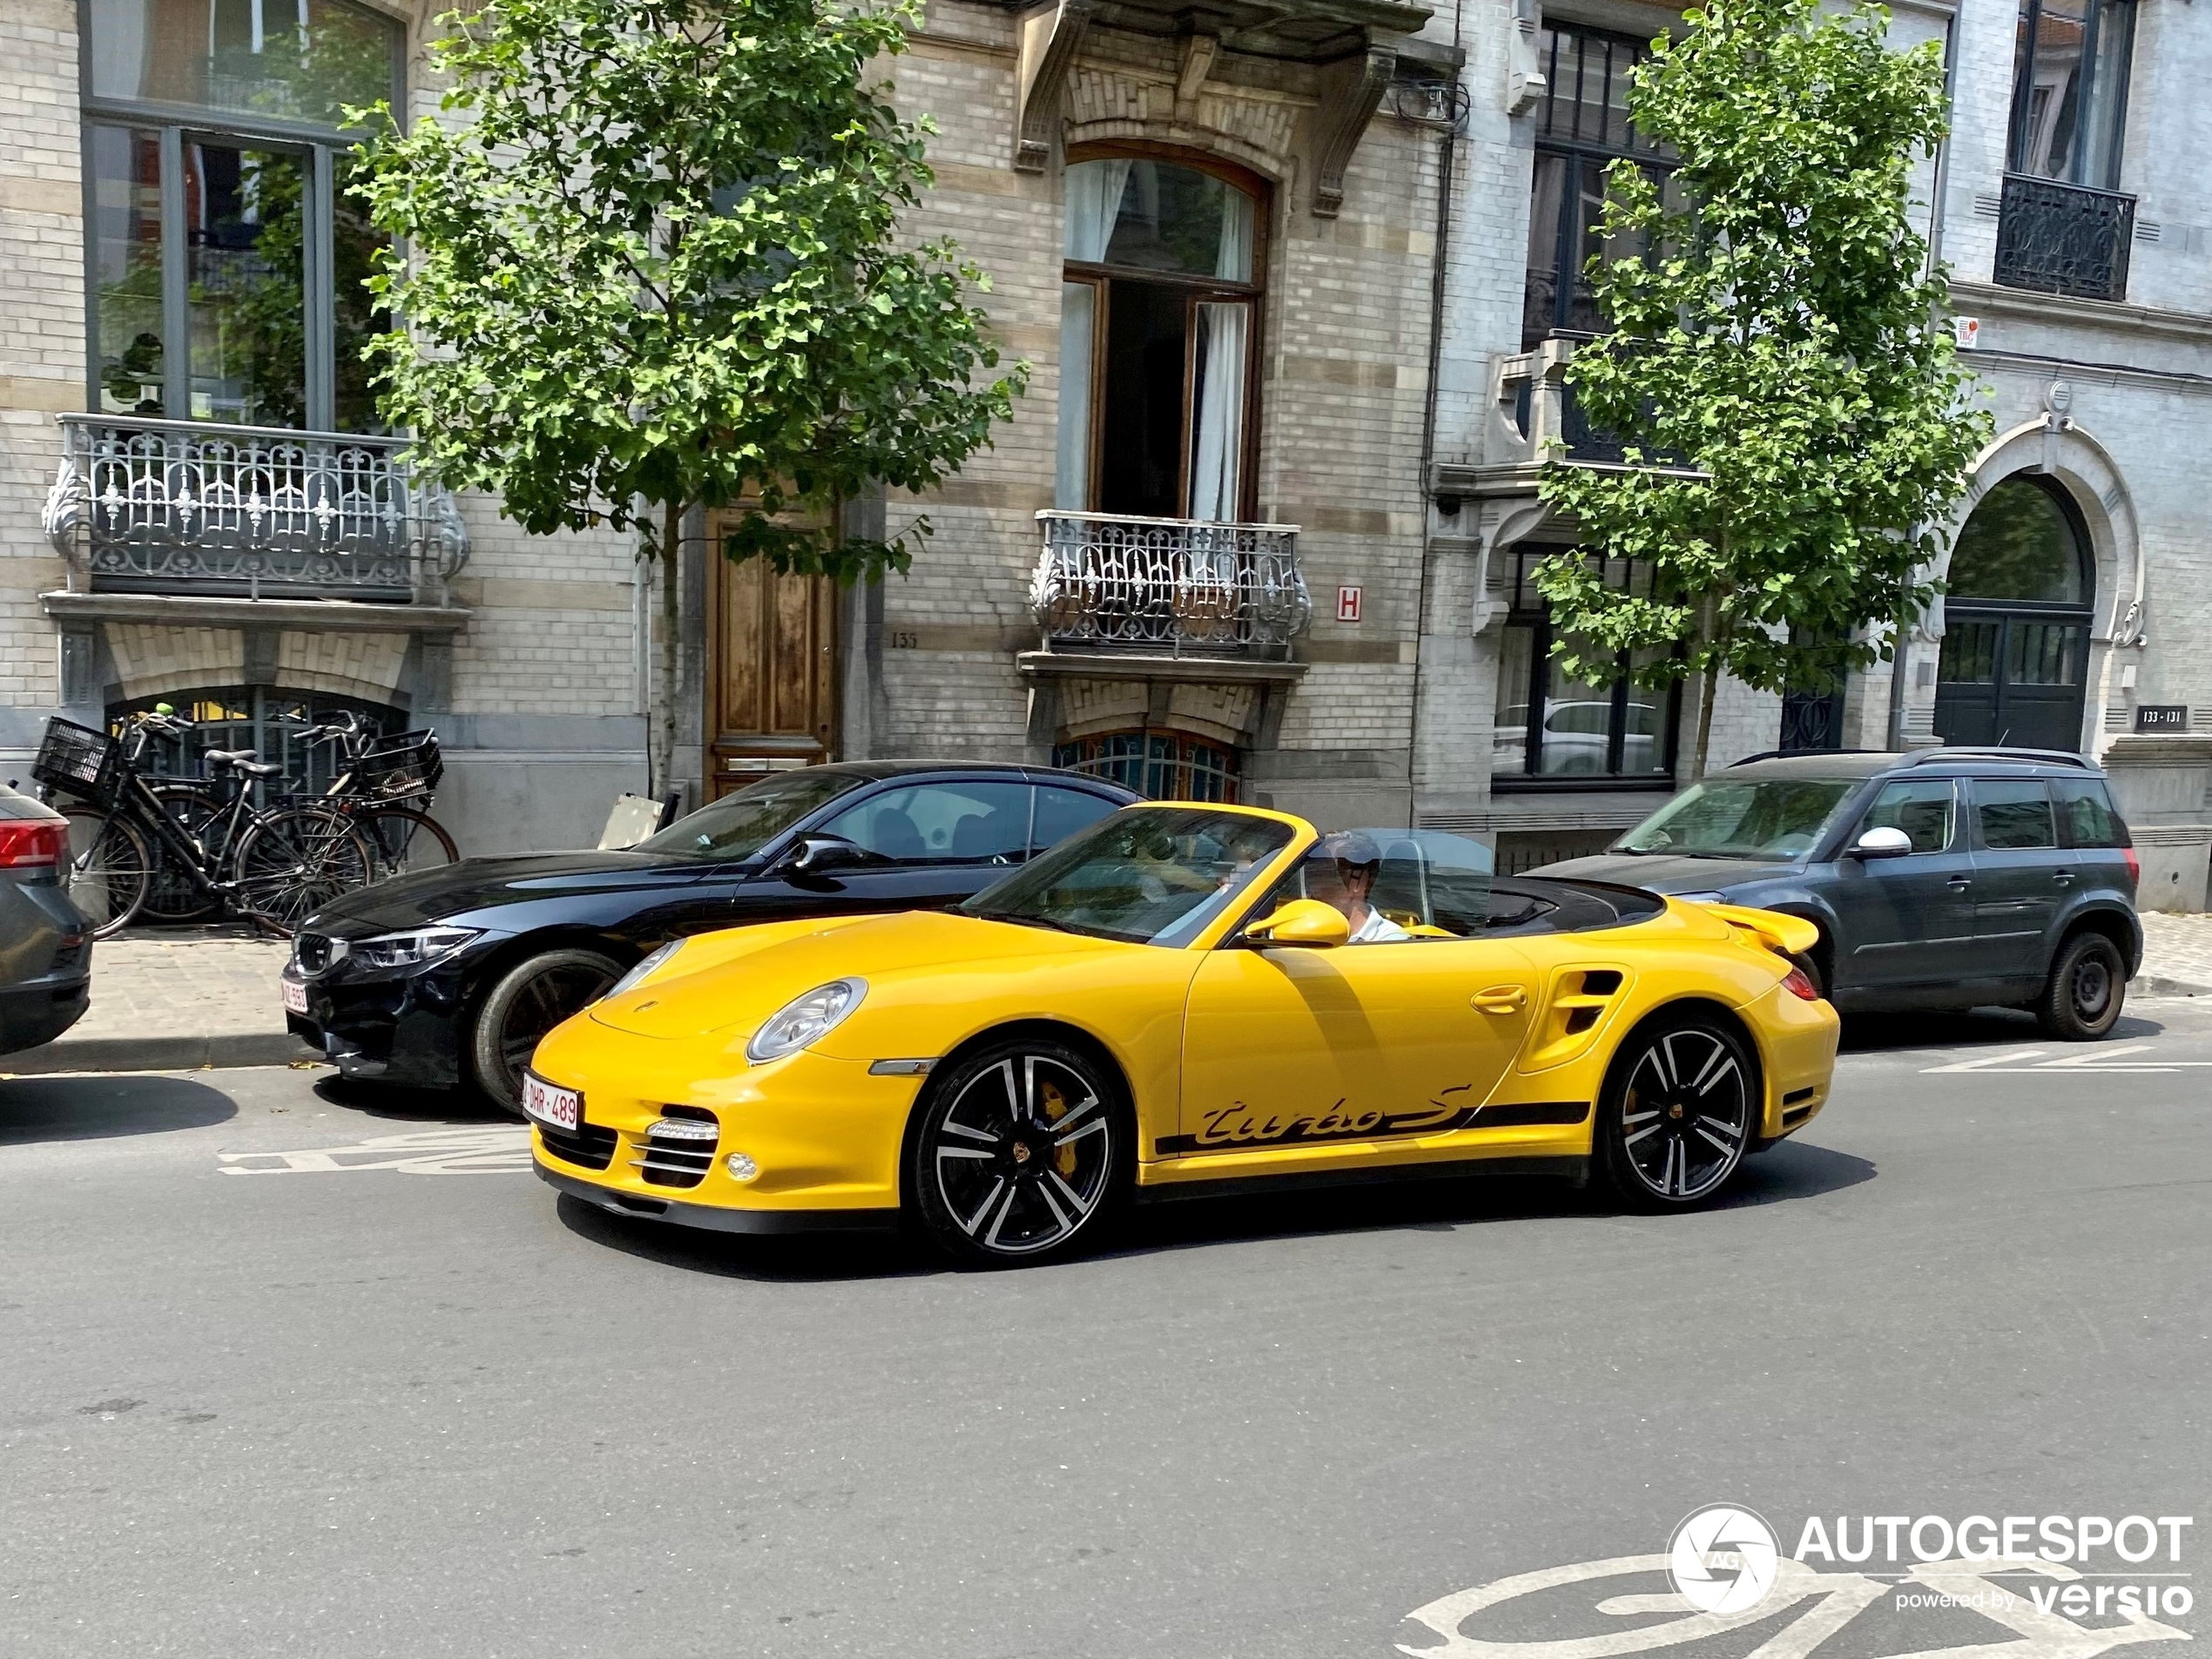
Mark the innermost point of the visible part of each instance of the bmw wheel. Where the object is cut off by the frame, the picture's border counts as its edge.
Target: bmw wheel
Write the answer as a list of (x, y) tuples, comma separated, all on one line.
[(1680, 1110), (529, 999), (1021, 1148)]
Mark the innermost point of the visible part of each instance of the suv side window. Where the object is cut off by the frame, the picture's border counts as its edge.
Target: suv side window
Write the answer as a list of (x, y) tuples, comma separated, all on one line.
[(947, 823), (2086, 813), (2012, 813), (1924, 808)]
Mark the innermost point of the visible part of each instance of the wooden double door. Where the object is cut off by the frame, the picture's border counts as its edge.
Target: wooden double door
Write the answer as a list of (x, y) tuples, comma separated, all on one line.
[(771, 670)]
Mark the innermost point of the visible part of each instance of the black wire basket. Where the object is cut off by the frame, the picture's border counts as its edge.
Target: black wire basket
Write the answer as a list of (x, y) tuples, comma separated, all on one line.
[(400, 767), (81, 762)]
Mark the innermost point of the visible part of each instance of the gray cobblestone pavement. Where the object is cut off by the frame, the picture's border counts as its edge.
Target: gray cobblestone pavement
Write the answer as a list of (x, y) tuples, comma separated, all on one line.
[(181, 998)]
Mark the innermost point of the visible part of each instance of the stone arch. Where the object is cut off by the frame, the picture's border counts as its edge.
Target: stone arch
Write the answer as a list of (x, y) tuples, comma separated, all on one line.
[(2053, 449)]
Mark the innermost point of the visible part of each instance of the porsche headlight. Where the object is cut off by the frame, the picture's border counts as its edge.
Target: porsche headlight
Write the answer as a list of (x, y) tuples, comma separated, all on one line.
[(416, 948), (652, 960), (805, 1018)]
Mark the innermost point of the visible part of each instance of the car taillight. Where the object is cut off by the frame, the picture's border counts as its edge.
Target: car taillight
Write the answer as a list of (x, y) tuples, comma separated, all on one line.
[(2135, 865), (1798, 984), (29, 844)]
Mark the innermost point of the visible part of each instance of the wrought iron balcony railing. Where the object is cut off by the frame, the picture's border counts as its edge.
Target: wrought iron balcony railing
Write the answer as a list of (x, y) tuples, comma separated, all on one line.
[(192, 506), (1179, 585), (2063, 239)]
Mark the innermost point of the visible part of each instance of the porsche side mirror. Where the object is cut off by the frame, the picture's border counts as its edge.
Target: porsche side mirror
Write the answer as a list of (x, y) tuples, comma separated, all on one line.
[(816, 853), (1307, 923), (1883, 843)]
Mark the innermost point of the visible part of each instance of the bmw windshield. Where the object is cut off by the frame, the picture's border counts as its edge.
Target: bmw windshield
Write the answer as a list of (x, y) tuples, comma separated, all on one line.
[(1153, 875), (739, 825), (1741, 818)]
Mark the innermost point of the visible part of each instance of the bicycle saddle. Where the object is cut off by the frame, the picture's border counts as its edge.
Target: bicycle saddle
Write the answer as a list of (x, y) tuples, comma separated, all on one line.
[(229, 757), (257, 769)]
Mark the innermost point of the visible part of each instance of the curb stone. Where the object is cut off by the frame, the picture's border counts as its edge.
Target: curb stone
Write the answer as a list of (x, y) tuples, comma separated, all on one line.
[(180, 1053)]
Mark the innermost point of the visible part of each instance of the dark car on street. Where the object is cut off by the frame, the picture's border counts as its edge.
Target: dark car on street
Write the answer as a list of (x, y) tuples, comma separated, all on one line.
[(1940, 879), (45, 946), (451, 976)]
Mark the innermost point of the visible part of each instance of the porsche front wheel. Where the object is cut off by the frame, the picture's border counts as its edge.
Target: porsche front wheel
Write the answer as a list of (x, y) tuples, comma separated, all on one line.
[(1022, 1147), (1679, 1112)]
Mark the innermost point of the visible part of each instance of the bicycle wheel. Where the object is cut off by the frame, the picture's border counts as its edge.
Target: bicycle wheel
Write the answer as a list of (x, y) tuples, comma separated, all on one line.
[(174, 895), (291, 863), (111, 868), (403, 839)]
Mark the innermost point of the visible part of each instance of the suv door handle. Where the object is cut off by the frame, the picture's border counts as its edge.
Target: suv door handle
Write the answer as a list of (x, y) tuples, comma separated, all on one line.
[(1961, 882), (2064, 877), (1499, 999)]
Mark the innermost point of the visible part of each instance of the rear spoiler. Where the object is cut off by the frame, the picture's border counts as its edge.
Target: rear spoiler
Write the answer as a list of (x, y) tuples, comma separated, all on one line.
[(1789, 935)]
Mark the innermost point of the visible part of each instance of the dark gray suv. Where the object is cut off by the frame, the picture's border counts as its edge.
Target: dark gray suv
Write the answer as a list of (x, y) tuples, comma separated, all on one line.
[(1945, 878), (45, 946)]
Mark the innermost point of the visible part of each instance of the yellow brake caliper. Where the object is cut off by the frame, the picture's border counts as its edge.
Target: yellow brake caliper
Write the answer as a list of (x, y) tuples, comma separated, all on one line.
[(1055, 1107)]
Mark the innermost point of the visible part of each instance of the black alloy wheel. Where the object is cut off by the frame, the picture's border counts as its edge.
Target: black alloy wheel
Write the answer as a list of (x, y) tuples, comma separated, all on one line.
[(2088, 984), (529, 1000), (1022, 1147), (1680, 1110)]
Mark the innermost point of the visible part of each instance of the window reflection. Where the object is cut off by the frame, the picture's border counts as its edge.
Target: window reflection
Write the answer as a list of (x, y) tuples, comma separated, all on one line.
[(2070, 98), (127, 254), (301, 60)]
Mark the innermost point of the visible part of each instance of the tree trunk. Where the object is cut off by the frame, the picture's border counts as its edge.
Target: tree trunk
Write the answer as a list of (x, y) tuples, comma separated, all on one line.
[(1705, 719), (672, 563)]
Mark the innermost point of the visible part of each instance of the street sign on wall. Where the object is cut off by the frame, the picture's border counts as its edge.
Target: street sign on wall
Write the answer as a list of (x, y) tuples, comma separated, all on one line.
[(1348, 604)]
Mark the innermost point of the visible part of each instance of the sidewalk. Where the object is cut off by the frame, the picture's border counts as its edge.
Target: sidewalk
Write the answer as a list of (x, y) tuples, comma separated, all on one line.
[(178, 999), (175, 999)]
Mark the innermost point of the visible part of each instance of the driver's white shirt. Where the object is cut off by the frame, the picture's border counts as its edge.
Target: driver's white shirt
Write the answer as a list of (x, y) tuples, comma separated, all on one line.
[(1377, 929)]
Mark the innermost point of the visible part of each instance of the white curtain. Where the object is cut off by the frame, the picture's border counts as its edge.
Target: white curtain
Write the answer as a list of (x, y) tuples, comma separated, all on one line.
[(1234, 262), (1093, 202), (1217, 445), (1078, 312)]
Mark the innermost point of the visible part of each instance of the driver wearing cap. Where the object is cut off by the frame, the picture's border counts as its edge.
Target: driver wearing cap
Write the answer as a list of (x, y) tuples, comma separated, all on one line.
[(1359, 862)]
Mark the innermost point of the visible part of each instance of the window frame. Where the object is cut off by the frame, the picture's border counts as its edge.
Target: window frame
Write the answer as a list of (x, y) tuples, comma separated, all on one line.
[(178, 125), (1181, 766), (1577, 153), (2017, 134), (1537, 617), (1100, 276)]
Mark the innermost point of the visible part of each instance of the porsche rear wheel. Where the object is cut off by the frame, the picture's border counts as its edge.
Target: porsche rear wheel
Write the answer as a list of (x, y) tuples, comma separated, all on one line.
[(1022, 1147), (1679, 1112)]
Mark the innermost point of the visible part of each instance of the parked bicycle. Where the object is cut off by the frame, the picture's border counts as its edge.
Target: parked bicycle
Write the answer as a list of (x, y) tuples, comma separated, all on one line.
[(385, 787), (131, 836)]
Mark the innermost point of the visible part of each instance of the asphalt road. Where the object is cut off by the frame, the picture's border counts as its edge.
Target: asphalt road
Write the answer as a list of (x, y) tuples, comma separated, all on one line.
[(288, 1371)]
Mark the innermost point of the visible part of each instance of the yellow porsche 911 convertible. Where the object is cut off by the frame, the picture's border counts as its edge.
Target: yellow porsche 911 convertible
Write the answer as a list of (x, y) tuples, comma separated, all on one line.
[(1180, 998)]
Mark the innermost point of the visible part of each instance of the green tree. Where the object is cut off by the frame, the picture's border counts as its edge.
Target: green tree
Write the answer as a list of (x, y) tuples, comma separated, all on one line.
[(1781, 370), (651, 262)]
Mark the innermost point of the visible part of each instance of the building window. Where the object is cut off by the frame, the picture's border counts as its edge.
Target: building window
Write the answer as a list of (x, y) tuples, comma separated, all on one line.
[(1582, 127), (264, 719), (227, 246), (1159, 320), (2016, 614), (2070, 98), (1160, 765), (1552, 729)]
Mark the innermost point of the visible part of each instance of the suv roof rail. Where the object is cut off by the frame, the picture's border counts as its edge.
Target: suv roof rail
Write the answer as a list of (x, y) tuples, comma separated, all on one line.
[(1797, 754), (1996, 751)]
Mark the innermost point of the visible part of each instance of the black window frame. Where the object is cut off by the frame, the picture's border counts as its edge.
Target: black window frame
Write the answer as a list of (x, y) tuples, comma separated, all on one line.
[(177, 125), (1526, 609), (2016, 161), (1618, 55)]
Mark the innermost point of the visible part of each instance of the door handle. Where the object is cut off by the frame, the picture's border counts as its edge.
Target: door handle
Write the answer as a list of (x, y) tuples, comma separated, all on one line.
[(1499, 999), (1961, 882), (2064, 877)]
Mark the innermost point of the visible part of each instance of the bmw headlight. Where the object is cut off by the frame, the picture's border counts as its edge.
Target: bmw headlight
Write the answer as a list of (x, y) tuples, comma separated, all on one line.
[(806, 1019), (635, 975), (417, 948)]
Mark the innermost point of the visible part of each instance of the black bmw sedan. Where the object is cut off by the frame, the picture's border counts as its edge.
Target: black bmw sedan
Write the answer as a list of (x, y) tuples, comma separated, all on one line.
[(451, 976)]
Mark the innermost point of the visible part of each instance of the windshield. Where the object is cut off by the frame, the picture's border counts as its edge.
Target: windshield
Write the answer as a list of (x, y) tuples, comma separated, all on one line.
[(1775, 817), (1153, 875), (739, 825)]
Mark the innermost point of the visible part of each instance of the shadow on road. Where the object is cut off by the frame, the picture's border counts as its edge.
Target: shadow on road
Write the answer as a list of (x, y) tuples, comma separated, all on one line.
[(1442, 1204), (84, 1107), (411, 1105), (1956, 1029)]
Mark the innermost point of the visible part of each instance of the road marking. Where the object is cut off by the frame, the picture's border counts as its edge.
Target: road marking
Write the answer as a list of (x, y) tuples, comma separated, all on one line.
[(494, 1149), (2134, 1058)]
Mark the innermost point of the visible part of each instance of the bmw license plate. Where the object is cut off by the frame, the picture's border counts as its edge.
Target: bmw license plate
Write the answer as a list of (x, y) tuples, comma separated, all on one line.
[(552, 1105), (295, 996)]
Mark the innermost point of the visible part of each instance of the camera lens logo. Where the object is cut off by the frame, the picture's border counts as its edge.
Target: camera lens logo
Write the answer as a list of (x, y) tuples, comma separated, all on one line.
[(1724, 1560)]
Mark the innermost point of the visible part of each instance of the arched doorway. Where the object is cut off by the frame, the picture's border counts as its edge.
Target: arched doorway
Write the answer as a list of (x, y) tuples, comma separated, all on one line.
[(2016, 621)]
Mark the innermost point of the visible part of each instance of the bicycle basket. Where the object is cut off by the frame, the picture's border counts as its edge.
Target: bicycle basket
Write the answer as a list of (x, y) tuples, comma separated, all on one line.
[(396, 767), (84, 763)]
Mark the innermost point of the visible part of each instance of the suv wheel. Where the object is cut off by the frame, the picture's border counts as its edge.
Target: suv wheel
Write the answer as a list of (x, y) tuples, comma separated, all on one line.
[(2088, 984)]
